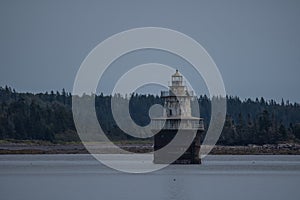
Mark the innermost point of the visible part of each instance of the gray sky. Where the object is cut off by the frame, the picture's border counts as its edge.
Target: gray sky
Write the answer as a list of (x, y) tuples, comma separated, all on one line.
[(255, 44)]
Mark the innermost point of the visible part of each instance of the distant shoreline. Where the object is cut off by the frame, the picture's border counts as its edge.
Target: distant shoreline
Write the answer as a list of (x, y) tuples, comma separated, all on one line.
[(24, 148)]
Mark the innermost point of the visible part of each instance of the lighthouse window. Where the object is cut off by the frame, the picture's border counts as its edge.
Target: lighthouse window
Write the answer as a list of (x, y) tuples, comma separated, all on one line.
[(176, 78)]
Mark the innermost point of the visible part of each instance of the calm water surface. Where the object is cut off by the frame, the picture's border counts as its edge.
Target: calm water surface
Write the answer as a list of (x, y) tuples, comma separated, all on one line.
[(75, 177)]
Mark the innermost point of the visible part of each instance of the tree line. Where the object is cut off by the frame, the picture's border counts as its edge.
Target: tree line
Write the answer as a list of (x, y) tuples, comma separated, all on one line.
[(48, 116)]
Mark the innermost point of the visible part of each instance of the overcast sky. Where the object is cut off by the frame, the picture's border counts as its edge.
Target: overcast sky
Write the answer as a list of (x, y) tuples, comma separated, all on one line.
[(255, 44)]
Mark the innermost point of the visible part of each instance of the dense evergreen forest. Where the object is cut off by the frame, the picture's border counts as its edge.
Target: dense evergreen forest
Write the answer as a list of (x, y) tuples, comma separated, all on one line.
[(48, 116)]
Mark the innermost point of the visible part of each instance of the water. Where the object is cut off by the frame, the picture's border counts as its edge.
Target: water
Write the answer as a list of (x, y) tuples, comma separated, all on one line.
[(77, 177)]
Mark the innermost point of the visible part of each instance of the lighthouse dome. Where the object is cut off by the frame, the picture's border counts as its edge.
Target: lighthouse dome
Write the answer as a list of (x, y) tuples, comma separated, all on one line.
[(176, 73)]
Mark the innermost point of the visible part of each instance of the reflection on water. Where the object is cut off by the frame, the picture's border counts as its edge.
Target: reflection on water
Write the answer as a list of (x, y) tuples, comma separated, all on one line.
[(82, 177)]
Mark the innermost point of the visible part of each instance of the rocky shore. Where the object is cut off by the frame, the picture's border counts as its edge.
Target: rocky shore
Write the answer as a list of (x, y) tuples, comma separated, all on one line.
[(267, 149), (23, 148)]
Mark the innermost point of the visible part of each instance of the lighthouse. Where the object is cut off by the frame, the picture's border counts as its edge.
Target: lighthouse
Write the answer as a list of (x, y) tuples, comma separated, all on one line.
[(177, 115)]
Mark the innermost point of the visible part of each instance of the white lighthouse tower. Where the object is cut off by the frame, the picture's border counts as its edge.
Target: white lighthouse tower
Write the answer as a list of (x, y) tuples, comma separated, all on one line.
[(177, 112)]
